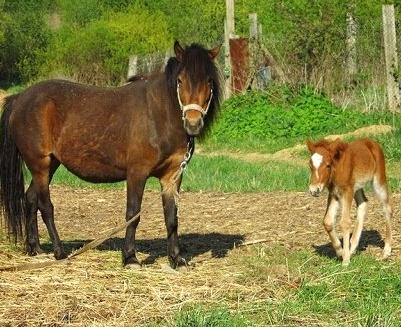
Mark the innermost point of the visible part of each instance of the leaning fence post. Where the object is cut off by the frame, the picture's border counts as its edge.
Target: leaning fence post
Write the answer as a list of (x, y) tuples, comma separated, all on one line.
[(229, 29), (132, 66), (390, 52)]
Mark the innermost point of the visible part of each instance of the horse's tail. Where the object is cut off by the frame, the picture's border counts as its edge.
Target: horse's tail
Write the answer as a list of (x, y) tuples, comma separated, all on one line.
[(12, 195)]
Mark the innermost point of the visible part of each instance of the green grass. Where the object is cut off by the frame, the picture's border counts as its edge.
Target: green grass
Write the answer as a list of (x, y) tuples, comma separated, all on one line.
[(303, 288), (215, 317), (222, 174), (219, 174), (230, 175), (367, 293)]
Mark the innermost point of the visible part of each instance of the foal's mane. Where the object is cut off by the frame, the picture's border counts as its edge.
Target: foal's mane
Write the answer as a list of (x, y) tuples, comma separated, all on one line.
[(200, 69)]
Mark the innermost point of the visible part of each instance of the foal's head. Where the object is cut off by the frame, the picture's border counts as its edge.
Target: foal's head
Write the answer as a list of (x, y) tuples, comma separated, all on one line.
[(193, 79), (324, 154)]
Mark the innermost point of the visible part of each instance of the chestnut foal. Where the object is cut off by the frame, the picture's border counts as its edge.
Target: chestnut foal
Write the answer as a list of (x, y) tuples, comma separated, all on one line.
[(344, 169)]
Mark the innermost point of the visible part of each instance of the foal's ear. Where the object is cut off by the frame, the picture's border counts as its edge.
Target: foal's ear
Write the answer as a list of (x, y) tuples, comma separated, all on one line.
[(178, 49), (213, 53), (337, 147), (311, 146)]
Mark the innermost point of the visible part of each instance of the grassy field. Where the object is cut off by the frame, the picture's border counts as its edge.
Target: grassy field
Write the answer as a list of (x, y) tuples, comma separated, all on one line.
[(303, 289)]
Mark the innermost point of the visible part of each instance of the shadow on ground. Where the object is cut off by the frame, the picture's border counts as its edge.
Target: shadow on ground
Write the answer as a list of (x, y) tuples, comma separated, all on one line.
[(192, 245), (370, 237)]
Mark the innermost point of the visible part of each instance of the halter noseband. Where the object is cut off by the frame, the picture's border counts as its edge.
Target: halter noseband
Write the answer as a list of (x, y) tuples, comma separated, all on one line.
[(193, 106)]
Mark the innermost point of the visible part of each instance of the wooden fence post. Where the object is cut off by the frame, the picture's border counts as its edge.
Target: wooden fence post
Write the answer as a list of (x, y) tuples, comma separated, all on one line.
[(132, 66), (390, 52), (229, 29), (351, 48)]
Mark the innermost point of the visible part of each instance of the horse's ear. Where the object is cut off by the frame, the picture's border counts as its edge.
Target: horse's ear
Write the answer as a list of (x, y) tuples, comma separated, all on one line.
[(178, 49), (213, 53), (311, 146), (337, 147)]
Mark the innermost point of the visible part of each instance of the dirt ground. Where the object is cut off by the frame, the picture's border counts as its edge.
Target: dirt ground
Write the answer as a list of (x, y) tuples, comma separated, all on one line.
[(209, 221), (94, 290)]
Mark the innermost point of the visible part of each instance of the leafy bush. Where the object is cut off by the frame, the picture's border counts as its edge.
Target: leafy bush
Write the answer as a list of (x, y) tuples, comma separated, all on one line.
[(283, 115), (24, 37), (98, 52)]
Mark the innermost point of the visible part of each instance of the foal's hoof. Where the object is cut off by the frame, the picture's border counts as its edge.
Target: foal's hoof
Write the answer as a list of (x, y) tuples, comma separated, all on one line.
[(345, 263), (133, 266), (386, 252)]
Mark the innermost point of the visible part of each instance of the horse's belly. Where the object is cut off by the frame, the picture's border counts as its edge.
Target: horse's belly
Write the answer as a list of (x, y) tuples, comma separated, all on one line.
[(95, 171)]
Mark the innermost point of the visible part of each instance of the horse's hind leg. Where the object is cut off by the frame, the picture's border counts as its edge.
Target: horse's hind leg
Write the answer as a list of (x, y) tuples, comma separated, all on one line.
[(381, 190), (31, 226), (361, 202), (32, 233), (42, 172)]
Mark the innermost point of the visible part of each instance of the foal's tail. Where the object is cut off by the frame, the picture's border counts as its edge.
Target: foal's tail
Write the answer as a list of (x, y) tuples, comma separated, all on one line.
[(12, 195)]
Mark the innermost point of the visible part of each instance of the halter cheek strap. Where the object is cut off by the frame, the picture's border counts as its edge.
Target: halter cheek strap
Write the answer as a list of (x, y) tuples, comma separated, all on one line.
[(193, 106)]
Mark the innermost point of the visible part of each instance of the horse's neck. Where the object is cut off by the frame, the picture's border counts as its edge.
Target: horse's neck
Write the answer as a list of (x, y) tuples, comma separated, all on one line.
[(165, 108)]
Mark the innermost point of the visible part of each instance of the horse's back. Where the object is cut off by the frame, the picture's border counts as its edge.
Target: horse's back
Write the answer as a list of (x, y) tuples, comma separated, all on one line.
[(368, 159), (84, 127)]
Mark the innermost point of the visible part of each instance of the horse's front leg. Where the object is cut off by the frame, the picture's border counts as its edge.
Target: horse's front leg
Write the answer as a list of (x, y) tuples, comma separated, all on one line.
[(170, 189), (329, 223), (135, 188), (346, 202)]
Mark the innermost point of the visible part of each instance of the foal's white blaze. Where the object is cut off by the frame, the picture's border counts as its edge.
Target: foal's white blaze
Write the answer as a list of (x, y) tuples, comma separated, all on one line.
[(316, 162)]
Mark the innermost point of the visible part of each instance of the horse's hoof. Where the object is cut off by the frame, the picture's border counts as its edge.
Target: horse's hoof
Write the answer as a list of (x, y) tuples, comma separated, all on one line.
[(133, 266), (178, 262), (60, 254), (131, 262), (34, 251)]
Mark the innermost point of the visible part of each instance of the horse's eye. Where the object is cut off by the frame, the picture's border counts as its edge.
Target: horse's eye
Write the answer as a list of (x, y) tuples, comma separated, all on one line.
[(328, 166), (179, 81)]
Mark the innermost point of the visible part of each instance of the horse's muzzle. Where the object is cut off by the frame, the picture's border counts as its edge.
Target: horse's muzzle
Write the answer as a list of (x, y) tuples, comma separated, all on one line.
[(193, 126), (315, 190)]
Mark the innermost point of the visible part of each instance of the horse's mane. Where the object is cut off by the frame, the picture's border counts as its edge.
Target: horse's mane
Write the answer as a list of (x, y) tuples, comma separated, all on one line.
[(200, 68)]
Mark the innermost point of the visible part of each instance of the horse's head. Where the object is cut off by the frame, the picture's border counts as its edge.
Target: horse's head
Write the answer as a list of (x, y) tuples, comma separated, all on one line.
[(324, 155), (194, 78)]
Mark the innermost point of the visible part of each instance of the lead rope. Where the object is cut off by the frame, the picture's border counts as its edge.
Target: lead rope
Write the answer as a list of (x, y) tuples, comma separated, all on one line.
[(115, 230)]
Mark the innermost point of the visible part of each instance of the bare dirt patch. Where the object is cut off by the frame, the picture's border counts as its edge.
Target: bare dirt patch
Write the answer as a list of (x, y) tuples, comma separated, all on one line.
[(95, 290)]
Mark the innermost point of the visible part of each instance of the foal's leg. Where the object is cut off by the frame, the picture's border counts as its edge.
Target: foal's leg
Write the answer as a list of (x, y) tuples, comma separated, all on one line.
[(329, 223), (32, 233), (361, 203), (135, 188), (169, 192), (346, 202), (381, 190)]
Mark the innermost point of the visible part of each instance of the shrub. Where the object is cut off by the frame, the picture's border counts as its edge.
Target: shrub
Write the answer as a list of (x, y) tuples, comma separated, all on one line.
[(287, 114), (98, 52)]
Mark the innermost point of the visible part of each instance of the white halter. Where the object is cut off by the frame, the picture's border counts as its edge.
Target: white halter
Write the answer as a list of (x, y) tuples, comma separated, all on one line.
[(193, 106)]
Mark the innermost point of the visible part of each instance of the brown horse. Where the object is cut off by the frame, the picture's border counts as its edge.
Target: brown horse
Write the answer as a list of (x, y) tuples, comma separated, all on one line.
[(105, 135), (344, 169)]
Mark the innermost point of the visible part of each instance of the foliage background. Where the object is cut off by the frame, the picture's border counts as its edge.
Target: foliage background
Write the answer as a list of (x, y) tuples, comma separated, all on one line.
[(91, 40)]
